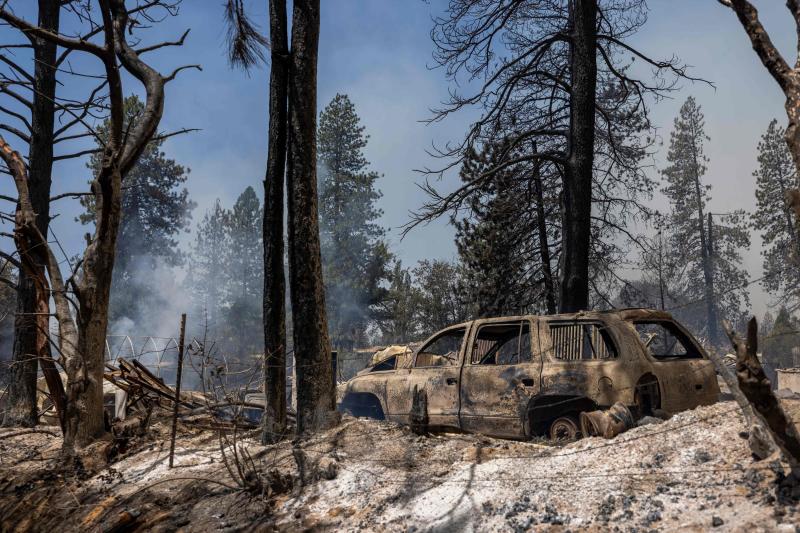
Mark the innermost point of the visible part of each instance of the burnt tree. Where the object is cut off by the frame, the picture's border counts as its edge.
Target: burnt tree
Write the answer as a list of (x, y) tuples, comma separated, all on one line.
[(245, 51), (82, 334), (274, 283), (31, 323), (312, 350), (578, 167), (554, 78)]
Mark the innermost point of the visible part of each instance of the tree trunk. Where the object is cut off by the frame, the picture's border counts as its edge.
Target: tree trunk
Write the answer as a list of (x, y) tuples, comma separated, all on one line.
[(708, 273), (544, 241), (315, 397), (577, 198), (274, 423), (84, 417), (30, 326), (711, 304), (792, 137)]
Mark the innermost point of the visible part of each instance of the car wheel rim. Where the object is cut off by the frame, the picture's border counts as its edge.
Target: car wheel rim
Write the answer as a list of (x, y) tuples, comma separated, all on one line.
[(564, 429)]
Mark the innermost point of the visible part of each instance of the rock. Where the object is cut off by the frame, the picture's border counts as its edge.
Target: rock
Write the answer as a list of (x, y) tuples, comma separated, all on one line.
[(716, 521)]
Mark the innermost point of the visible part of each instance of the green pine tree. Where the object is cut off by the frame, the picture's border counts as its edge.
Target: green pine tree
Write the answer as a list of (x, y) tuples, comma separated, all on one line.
[(782, 341), (440, 304), (493, 239), (774, 218), (398, 320), (208, 267), (244, 273), (708, 246), (354, 255)]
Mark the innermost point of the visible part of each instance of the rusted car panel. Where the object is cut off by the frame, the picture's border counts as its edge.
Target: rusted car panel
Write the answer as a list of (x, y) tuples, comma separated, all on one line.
[(526, 375)]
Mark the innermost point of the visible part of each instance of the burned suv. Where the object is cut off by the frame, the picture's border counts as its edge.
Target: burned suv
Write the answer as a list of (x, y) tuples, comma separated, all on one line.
[(524, 376)]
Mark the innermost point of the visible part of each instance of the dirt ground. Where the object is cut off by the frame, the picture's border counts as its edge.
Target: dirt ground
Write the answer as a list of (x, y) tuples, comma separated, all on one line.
[(693, 472)]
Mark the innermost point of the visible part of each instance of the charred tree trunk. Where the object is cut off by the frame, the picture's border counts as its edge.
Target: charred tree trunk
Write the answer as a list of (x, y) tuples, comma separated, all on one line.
[(577, 196), (315, 397), (274, 423), (84, 417), (31, 323)]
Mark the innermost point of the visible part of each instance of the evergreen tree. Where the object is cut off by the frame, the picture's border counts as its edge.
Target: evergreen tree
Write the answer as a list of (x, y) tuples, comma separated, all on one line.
[(439, 302), (708, 246), (354, 255), (155, 210), (782, 342), (208, 267), (776, 175), (492, 240), (244, 273), (398, 319)]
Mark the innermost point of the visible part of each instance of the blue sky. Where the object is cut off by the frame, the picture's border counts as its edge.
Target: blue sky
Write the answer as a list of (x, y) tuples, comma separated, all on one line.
[(379, 53)]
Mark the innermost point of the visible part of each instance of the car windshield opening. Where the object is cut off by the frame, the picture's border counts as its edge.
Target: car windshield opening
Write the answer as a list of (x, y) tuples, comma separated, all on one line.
[(441, 351)]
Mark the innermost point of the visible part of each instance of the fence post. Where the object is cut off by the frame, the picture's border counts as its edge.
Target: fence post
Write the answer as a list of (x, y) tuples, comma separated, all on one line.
[(177, 390)]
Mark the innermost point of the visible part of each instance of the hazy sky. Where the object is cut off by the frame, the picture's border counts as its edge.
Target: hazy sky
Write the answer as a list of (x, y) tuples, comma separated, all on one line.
[(379, 53)]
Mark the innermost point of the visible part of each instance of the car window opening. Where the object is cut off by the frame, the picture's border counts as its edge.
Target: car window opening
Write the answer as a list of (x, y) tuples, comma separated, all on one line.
[(582, 341), (502, 344), (664, 340)]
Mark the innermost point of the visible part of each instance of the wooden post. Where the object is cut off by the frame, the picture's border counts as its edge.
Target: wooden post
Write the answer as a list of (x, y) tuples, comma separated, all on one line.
[(177, 391)]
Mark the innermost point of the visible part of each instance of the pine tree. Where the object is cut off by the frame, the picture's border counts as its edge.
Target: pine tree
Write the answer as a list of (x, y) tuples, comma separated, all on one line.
[(663, 276), (493, 241), (244, 270), (354, 255), (782, 341), (439, 304), (776, 175), (155, 210), (709, 247), (208, 267), (398, 319)]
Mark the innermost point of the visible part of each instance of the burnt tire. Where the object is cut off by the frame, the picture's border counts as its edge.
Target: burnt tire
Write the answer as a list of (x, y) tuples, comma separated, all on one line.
[(564, 429)]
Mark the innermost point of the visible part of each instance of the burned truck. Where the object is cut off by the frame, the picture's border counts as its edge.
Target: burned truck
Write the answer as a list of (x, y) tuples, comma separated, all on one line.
[(526, 376)]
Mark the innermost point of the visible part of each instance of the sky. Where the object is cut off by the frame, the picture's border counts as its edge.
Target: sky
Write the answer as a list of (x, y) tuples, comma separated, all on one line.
[(379, 53)]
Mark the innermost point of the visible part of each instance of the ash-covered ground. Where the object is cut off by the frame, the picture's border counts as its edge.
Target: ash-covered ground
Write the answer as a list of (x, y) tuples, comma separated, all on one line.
[(693, 472)]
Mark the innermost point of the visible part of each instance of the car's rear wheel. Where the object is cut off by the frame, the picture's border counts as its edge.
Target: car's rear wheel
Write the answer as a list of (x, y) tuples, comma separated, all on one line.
[(564, 429)]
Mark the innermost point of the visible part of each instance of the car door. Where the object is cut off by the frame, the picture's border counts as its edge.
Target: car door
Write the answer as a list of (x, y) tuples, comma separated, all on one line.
[(435, 374), (499, 376)]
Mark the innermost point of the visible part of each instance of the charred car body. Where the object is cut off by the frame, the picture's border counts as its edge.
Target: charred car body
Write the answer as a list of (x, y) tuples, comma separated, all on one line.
[(518, 377)]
